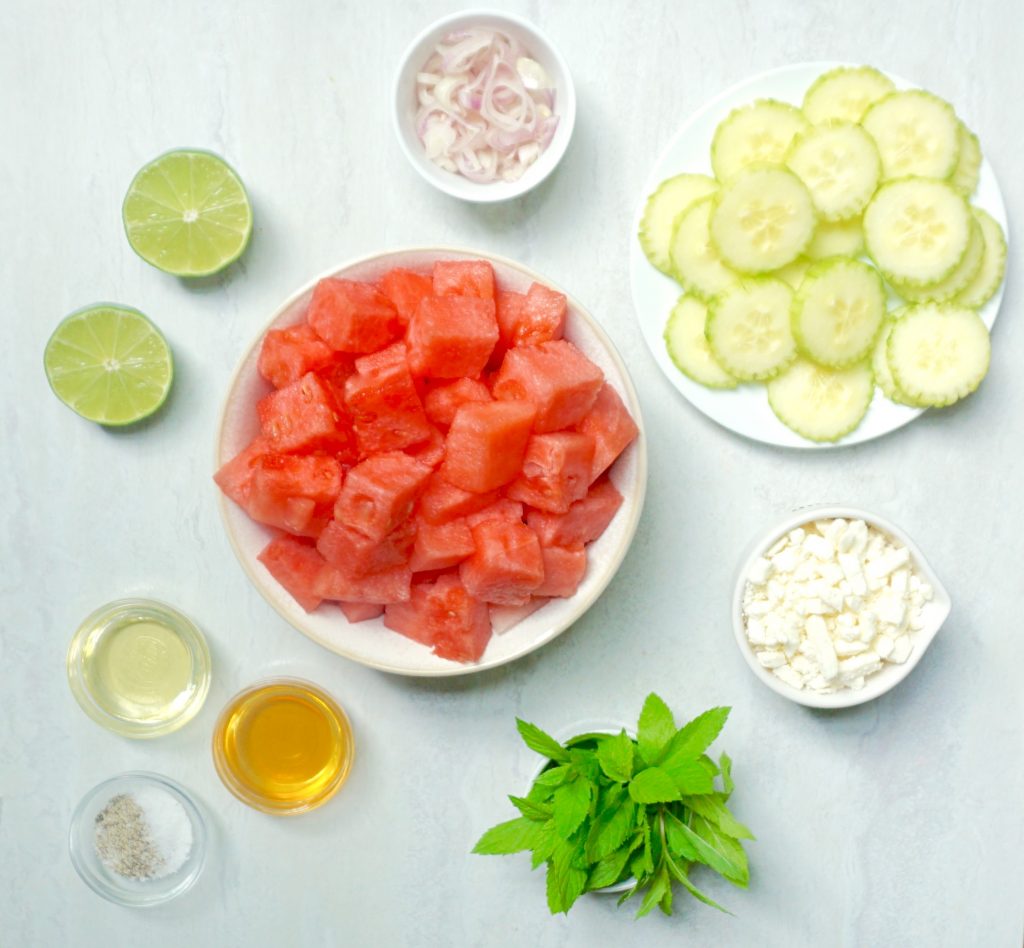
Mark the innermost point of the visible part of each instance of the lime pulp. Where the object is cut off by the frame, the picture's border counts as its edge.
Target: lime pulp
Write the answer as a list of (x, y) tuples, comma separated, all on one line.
[(109, 364), (187, 213)]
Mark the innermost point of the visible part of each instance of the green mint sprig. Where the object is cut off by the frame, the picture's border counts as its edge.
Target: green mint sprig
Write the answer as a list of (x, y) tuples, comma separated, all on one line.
[(607, 808)]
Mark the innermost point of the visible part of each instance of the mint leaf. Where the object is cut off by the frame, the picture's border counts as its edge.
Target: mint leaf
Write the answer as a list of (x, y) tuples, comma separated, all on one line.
[(554, 777), (610, 868), (653, 785), (712, 809), (725, 764), (677, 841), (615, 755), (544, 744), (695, 737), (565, 881), (511, 837), (733, 859), (548, 839), (585, 762), (610, 830), (689, 776), (680, 875), (572, 803), (655, 728), (659, 886), (531, 809)]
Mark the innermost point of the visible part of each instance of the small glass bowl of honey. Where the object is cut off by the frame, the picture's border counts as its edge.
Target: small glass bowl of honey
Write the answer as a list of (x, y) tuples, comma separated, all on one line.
[(139, 668), (283, 746)]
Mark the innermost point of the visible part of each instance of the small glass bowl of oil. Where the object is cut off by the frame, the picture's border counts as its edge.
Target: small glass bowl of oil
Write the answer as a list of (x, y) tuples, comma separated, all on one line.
[(283, 746), (139, 668)]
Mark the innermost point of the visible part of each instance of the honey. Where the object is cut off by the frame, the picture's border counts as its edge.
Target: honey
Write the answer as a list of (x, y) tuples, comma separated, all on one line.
[(283, 746)]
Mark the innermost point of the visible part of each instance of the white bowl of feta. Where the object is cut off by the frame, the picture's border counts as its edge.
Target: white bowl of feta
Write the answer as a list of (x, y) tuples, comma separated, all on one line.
[(835, 606)]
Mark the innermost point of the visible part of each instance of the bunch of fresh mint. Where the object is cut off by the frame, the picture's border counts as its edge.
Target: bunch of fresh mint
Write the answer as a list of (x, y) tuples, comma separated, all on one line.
[(607, 808)]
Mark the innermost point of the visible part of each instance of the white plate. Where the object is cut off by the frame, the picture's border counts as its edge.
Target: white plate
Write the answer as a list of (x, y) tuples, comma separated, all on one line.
[(370, 643), (745, 409)]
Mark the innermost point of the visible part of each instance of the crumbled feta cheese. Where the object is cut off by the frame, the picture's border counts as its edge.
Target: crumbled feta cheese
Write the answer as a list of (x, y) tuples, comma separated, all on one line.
[(759, 572), (792, 678), (771, 658), (901, 650)]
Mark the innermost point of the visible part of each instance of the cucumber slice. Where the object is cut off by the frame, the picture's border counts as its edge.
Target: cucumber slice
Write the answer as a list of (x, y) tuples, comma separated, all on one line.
[(840, 165), (880, 364), (938, 353), (759, 133), (968, 166), (662, 210), (993, 264), (688, 345), (838, 311), (837, 239), (917, 230), (821, 404), (762, 220), (962, 274), (793, 273), (695, 261), (748, 329), (845, 94), (917, 133)]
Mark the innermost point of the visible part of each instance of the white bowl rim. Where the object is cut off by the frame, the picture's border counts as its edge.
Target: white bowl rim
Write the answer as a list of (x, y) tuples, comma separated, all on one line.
[(890, 675), (639, 487), (461, 187)]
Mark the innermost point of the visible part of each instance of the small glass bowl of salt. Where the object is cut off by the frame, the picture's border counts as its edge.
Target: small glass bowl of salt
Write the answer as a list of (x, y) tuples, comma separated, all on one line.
[(138, 839)]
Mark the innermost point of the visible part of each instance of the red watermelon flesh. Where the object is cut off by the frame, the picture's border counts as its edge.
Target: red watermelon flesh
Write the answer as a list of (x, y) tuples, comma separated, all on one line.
[(296, 565), (510, 511), (530, 319), (444, 401), (585, 520), (556, 377), (443, 614), (486, 443), (451, 337), (361, 611), (356, 554), (405, 289), (351, 316), (556, 471), (611, 426), (288, 354), (564, 568), (442, 501), (507, 564), (395, 354), (379, 493), (440, 545), (387, 413), (234, 477), (464, 278), (316, 476), (388, 585), (429, 452), (304, 416)]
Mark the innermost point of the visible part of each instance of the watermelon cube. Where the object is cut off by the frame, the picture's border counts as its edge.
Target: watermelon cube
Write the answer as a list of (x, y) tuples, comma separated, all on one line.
[(554, 376), (508, 310), (296, 565), (510, 511), (442, 501), (359, 555), (234, 477), (440, 545), (464, 278), (611, 426), (451, 337), (486, 443), (387, 413), (556, 471), (288, 354), (405, 289), (289, 491), (387, 585), (507, 564), (530, 319), (379, 493), (444, 401), (585, 520), (564, 568), (351, 316), (361, 611), (429, 452), (443, 614), (395, 354), (304, 416)]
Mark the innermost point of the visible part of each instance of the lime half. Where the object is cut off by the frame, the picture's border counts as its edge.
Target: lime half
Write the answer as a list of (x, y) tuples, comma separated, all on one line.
[(187, 213), (110, 364)]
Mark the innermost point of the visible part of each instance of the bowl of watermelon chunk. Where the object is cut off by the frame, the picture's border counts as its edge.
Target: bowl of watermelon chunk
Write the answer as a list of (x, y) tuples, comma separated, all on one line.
[(431, 461)]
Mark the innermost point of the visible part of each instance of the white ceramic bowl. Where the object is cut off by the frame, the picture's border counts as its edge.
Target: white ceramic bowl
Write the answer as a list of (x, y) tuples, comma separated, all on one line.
[(404, 105), (890, 675), (369, 642)]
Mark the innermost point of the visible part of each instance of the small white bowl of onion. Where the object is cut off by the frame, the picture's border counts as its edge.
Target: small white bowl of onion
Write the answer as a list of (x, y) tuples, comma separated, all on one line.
[(483, 105)]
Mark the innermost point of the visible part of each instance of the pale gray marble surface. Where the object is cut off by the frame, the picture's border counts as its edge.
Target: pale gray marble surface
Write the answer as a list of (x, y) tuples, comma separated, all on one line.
[(899, 823)]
